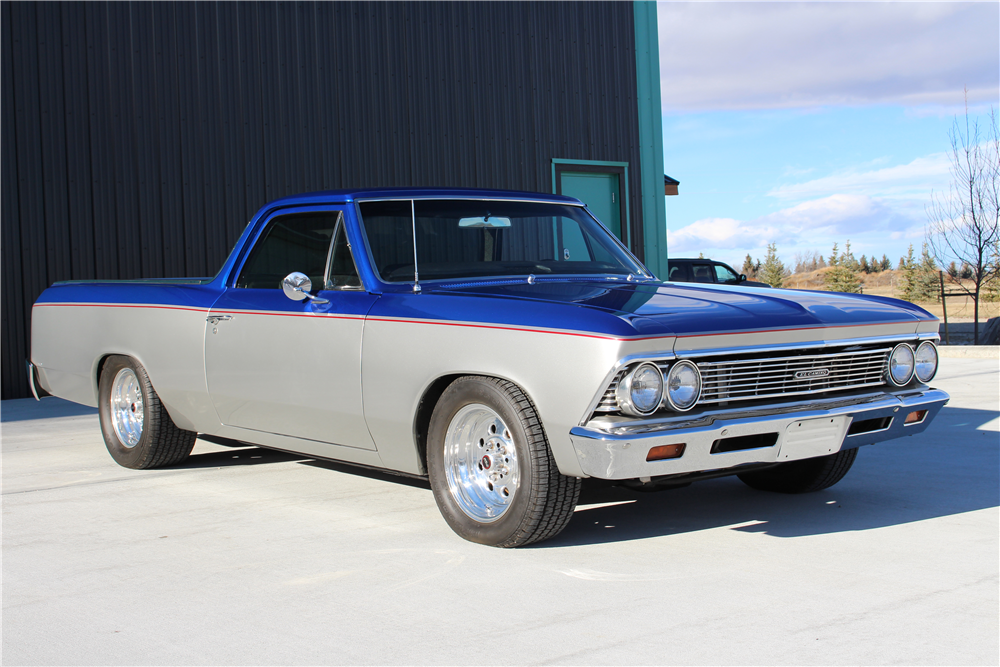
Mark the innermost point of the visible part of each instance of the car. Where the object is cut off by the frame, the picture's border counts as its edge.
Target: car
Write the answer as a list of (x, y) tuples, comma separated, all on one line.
[(503, 346), (701, 270)]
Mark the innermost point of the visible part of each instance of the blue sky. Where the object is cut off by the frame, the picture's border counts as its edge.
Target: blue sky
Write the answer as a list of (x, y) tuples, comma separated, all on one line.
[(806, 124)]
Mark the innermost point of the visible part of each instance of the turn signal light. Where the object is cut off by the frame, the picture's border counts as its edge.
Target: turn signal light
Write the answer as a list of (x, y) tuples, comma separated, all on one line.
[(665, 452), (915, 417)]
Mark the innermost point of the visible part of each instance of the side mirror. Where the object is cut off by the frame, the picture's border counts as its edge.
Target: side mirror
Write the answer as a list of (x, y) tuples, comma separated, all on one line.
[(743, 278), (296, 287)]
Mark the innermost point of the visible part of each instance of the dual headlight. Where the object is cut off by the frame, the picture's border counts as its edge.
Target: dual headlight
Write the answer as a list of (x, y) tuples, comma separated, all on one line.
[(644, 388), (904, 363)]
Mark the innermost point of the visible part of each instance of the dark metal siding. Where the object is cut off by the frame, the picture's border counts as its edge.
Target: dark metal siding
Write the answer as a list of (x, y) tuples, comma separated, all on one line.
[(139, 138)]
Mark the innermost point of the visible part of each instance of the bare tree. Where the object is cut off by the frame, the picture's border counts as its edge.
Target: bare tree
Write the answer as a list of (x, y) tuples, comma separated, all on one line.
[(965, 223)]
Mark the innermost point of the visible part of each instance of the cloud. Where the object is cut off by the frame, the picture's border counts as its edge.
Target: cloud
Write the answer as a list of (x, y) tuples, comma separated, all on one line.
[(917, 178), (719, 56), (809, 224)]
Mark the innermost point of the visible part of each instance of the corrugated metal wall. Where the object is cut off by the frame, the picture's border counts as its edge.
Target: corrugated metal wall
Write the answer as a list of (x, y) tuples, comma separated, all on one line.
[(139, 138)]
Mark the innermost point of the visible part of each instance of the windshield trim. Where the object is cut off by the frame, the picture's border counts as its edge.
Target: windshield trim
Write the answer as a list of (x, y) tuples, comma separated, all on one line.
[(642, 275)]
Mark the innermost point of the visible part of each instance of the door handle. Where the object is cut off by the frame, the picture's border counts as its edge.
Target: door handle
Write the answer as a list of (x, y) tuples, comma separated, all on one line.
[(215, 319)]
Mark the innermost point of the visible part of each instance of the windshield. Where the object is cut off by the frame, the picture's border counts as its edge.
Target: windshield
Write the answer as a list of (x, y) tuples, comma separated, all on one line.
[(457, 239)]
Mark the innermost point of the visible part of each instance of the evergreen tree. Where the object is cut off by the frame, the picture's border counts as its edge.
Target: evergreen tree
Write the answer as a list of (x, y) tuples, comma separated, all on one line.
[(772, 271), (749, 268), (863, 265), (928, 284), (843, 277), (886, 264), (909, 285), (953, 269)]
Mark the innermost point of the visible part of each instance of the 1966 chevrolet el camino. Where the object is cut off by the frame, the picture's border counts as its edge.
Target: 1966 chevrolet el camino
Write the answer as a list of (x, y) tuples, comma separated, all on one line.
[(503, 345)]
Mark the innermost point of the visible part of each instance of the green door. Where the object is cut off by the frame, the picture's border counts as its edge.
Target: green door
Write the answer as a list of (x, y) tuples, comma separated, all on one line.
[(601, 193)]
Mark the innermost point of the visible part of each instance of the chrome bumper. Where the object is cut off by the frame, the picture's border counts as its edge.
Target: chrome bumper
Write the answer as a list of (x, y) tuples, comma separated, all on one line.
[(610, 449), (37, 390)]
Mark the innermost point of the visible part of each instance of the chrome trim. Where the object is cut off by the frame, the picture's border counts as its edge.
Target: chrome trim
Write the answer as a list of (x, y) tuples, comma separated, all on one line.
[(578, 204), (329, 249), (620, 365), (937, 361), (779, 347), (623, 393), (31, 380), (621, 455), (413, 225), (666, 392), (888, 366)]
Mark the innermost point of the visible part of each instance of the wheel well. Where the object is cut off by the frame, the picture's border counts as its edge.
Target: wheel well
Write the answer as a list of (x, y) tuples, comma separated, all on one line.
[(425, 408), (100, 368)]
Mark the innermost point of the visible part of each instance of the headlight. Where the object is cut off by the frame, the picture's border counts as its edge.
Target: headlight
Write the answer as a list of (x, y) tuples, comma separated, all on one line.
[(639, 393), (683, 386), (926, 361), (901, 364)]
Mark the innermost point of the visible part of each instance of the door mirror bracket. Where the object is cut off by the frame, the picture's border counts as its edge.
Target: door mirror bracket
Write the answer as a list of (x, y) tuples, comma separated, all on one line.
[(296, 287)]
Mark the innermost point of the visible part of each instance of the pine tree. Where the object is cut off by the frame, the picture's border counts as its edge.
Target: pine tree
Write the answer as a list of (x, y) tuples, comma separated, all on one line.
[(863, 264), (953, 269), (886, 264), (772, 271), (909, 285), (749, 268), (843, 277), (928, 284)]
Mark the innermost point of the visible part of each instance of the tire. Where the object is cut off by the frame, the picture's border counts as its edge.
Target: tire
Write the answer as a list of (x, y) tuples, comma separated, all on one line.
[(520, 496), (803, 476), (137, 429)]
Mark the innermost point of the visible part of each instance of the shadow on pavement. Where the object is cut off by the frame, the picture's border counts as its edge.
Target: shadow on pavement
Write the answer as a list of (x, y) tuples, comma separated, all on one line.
[(244, 456), (950, 469)]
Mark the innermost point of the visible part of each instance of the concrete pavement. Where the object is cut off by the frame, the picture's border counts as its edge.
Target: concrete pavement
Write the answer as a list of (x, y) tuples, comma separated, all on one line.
[(244, 556)]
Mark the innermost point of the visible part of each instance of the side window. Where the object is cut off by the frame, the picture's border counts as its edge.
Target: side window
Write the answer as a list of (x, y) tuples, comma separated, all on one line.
[(343, 272), (702, 273), (295, 242), (725, 276), (679, 273)]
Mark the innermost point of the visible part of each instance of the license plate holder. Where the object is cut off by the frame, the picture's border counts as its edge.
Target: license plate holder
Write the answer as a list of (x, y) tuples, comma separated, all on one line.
[(808, 438)]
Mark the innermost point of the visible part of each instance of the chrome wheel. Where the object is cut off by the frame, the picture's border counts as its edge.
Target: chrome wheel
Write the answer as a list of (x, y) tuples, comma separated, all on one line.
[(126, 407), (480, 463)]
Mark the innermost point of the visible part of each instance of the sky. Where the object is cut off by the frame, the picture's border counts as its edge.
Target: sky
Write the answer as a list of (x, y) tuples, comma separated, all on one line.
[(806, 124)]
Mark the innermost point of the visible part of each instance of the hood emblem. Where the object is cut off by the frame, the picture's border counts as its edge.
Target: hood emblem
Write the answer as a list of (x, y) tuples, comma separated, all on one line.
[(814, 373)]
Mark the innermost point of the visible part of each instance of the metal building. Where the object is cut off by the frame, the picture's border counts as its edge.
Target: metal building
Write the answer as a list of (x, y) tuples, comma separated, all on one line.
[(139, 138)]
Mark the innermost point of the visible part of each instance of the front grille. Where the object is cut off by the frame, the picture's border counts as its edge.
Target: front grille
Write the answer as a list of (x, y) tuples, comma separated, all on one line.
[(608, 402), (749, 379)]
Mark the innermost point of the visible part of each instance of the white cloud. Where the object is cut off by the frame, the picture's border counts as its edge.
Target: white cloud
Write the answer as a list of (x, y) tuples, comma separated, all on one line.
[(784, 55), (915, 179), (812, 224)]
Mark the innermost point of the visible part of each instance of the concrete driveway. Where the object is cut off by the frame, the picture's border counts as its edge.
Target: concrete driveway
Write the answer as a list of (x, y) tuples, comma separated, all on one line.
[(244, 556)]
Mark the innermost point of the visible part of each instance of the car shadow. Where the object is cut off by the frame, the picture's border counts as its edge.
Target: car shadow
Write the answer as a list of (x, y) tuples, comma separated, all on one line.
[(370, 473), (952, 468), (243, 455)]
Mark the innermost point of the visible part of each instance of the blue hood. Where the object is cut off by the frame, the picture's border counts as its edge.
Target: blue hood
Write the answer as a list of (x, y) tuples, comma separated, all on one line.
[(658, 309)]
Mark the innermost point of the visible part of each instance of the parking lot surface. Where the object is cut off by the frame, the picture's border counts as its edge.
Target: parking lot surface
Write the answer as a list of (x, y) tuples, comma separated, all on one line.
[(247, 556)]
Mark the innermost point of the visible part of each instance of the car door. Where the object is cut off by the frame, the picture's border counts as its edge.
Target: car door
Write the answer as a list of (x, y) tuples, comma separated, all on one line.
[(288, 367)]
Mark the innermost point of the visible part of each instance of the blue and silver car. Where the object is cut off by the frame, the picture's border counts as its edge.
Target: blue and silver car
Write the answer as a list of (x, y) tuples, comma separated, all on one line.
[(501, 345)]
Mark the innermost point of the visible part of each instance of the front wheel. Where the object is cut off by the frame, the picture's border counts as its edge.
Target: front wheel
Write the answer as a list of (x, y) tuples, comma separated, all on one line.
[(137, 429), (490, 466), (803, 476)]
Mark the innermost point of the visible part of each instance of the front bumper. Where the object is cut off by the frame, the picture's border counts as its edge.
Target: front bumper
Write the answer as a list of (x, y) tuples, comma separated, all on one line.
[(609, 449)]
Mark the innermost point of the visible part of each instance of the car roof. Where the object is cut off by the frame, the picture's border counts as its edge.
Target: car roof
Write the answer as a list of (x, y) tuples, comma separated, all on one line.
[(423, 193)]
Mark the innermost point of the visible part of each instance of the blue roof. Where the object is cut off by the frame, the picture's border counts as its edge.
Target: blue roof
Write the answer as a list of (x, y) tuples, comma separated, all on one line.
[(422, 193)]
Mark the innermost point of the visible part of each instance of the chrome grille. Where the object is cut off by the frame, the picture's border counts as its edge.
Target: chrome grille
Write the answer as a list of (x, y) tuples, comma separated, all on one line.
[(608, 402), (747, 379)]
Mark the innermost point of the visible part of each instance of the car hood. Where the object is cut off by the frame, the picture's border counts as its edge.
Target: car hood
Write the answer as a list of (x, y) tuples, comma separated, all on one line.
[(659, 309)]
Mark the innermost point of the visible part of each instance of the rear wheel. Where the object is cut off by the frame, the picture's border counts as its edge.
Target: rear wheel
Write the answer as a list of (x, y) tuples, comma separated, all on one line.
[(493, 474), (803, 476), (137, 429)]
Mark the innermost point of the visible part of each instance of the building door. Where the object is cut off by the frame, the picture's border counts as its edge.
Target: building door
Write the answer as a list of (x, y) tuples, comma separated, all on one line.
[(602, 188)]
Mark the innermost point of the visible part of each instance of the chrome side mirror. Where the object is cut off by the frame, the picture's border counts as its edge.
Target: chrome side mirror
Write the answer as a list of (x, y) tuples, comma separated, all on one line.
[(296, 287)]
